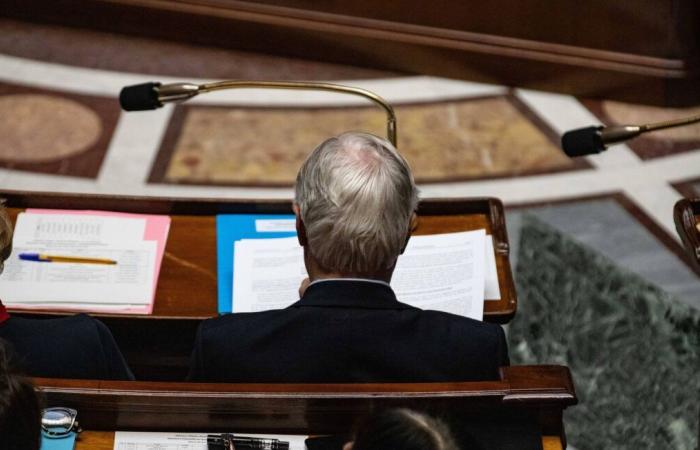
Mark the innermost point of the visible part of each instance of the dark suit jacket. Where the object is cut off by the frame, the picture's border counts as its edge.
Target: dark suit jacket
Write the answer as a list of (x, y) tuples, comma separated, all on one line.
[(347, 331), (67, 347)]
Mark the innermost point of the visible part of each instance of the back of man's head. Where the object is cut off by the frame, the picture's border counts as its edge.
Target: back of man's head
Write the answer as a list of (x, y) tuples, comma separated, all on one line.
[(356, 197)]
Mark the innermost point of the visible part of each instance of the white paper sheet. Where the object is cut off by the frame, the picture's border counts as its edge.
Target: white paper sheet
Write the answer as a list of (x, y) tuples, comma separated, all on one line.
[(275, 225), (76, 230), (266, 273), (129, 440), (78, 286), (444, 272), (127, 282), (492, 290)]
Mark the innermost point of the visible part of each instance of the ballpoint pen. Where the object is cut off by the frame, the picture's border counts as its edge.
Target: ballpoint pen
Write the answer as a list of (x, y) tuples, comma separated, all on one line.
[(41, 257), (228, 441)]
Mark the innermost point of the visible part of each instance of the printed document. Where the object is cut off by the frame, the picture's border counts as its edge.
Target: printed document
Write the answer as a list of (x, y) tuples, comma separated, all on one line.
[(444, 272), (133, 440), (80, 286), (266, 273)]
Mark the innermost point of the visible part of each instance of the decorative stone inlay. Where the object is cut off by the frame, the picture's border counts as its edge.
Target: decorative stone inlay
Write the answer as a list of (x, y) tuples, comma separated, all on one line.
[(37, 127), (484, 137)]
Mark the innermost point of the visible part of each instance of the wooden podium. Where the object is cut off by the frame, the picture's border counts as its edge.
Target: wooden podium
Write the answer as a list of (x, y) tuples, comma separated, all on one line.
[(686, 215), (535, 395), (158, 346)]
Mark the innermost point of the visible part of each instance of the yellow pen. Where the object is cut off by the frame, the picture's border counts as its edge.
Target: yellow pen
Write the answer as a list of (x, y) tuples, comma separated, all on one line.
[(40, 257)]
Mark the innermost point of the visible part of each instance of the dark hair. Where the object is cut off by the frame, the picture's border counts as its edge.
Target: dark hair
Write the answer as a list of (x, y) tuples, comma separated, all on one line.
[(403, 429), (20, 409)]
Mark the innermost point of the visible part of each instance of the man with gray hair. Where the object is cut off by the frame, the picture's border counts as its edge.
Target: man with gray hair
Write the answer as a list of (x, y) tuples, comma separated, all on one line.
[(355, 202)]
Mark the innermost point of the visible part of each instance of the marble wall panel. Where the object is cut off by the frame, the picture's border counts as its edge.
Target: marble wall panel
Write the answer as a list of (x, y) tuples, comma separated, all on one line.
[(54, 132)]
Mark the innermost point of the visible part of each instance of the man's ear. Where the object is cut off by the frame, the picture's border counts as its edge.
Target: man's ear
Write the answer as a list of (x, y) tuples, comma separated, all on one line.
[(301, 229), (412, 225)]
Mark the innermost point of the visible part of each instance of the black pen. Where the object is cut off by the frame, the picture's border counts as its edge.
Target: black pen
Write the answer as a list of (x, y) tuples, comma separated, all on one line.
[(228, 441)]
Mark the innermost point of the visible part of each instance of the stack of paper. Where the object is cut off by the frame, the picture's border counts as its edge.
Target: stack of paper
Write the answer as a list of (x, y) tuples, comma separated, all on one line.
[(451, 272), (138, 440), (134, 242)]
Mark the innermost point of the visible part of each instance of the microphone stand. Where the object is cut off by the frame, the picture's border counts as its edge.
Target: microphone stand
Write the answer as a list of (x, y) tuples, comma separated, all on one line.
[(178, 92), (616, 134), (591, 140)]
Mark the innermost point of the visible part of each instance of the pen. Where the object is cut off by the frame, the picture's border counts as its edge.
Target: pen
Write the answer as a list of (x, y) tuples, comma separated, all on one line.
[(41, 257), (228, 441)]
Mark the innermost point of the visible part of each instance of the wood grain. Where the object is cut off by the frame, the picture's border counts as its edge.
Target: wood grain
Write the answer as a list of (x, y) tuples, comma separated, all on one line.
[(104, 440), (187, 283), (538, 394), (686, 216), (158, 346), (595, 48)]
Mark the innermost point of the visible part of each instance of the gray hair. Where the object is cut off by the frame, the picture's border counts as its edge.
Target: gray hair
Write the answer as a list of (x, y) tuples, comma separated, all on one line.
[(356, 195)]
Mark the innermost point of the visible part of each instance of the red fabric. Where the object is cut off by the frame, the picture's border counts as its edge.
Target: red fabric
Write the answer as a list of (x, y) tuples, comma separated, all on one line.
[(3, 313)]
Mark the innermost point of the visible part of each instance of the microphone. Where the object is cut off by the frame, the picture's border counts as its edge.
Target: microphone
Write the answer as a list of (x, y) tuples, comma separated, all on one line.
[(153, 95), (591, 140), (147, 96)]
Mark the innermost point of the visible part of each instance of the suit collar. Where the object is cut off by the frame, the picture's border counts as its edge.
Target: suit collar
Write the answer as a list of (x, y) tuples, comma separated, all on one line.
[(350, 294)]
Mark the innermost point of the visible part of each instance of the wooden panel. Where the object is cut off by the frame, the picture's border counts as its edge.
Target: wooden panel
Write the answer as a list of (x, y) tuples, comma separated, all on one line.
[(542, 392), (158, 346), (686, 215), (104, 440), (189, 263), (596, 48)]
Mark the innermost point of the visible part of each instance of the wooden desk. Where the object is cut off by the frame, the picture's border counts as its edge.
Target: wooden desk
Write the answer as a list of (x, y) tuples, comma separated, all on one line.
[(104, 440), (686, 215), (535, 395), (158, 346)]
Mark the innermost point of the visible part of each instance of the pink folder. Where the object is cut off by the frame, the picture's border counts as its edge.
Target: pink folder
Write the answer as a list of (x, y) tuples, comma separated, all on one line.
[(157, 228)]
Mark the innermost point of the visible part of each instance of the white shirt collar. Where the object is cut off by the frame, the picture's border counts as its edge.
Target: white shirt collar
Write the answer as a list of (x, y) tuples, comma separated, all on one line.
[(369, 280)]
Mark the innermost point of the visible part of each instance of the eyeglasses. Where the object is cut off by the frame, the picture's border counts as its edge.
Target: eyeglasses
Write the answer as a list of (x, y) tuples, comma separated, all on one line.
[(59, 422)]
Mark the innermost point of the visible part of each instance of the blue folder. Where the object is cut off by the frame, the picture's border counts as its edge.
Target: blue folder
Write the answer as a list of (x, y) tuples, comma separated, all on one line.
[(231, 228)]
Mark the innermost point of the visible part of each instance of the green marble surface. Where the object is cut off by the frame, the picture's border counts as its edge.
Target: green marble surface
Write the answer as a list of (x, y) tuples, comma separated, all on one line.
[(634, 351)]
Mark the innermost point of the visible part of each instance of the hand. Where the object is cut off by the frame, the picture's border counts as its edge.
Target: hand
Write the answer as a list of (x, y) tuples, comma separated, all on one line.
[(304, 284)]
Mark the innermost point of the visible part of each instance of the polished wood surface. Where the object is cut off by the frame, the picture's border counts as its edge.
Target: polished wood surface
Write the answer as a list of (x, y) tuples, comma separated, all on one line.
[(686, 215), (538, 394), (162, 342), (158, 346), (189, 262), (104, 440), (594, 48)]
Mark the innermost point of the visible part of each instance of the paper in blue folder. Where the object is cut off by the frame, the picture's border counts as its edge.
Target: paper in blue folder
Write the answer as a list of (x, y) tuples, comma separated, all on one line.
[(234, 227)]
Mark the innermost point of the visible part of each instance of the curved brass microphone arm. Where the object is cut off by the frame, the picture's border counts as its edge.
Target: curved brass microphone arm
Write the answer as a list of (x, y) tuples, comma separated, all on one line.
[(233, 84), (670, 123)]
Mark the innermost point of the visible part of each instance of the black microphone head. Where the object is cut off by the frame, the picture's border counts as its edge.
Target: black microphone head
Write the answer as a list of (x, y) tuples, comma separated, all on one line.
[(583, 141), (140, 97)]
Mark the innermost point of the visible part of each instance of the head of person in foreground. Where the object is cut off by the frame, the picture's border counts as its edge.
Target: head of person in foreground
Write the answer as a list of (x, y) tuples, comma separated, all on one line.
[(402, 429), (355, 200), (20, 411)]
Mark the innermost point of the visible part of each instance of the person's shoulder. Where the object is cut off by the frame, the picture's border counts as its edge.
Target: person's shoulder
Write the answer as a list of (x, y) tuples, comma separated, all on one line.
[(234, 320), (460, 322)]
